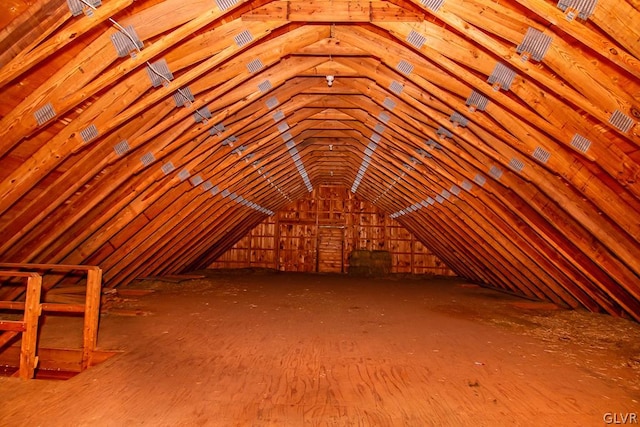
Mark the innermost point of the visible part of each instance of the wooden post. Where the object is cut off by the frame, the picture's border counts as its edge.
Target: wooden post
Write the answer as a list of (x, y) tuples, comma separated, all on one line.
[(342, 249), (411, 258), (276, 240), (317, 228), (91, 315), (32, 310)]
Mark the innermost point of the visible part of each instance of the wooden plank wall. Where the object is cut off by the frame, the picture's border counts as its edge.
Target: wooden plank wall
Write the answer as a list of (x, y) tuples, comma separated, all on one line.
[(317, 233)]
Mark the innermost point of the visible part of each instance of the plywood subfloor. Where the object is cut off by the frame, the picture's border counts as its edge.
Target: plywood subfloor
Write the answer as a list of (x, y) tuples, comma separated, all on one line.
[(275, 349)]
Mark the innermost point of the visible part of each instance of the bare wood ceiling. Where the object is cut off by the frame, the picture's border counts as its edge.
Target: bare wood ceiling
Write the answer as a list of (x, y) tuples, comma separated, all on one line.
[(529, 185)]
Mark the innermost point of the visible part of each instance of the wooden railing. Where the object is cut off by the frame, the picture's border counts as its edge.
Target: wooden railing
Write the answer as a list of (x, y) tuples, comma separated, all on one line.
[(33, 307), (28, 326)]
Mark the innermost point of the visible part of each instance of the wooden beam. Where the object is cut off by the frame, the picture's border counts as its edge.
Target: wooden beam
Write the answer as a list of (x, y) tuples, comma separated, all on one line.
[(91, 316), (41, 48), (32, 310), (88, 74), (331, 11), (618, 19), (582, 100), (76, 177), (65, 143), (559, 166), (574, 65), (32, 24), (606, 48), (29, 325)]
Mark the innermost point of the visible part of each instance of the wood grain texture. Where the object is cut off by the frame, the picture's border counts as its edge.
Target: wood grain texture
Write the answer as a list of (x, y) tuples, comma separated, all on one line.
[(296, 349), (319, 232), (552, 198)]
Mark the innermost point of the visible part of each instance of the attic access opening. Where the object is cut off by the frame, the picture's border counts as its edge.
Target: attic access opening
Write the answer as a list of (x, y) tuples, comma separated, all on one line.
[(29, 302)]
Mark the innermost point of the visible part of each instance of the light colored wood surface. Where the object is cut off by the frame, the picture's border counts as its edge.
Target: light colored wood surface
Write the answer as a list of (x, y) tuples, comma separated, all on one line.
[(559, 223), (33, 308), (28, 326), (32, 312), (319, 232), (296, 349), (91, 315)]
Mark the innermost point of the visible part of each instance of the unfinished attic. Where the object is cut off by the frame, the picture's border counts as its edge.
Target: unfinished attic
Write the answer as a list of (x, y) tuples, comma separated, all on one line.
[(320, 212)]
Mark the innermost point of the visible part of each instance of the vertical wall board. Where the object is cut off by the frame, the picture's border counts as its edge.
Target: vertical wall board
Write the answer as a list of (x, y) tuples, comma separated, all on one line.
[(296, 244), (330, 250), (400, 263), (318, 232), (262, 243)]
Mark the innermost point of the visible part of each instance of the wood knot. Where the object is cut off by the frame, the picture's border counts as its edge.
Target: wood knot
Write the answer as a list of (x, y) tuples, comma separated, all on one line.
[(635, 112), (629, 174)]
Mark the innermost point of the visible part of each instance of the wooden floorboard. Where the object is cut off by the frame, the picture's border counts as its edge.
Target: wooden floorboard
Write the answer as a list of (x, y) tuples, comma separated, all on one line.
[(329, 350)]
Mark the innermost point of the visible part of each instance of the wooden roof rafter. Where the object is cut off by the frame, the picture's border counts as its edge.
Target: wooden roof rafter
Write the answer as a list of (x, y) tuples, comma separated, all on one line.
[(562, 228), (588, 100)]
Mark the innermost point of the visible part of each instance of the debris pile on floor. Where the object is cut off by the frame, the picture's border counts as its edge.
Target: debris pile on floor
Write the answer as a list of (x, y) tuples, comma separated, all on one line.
[(123, 302)]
